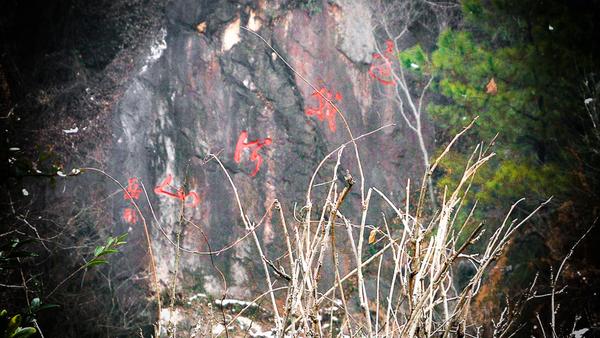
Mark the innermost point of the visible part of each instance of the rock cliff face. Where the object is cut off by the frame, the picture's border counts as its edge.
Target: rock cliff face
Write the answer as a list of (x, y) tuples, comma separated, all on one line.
[(187, 85), (205, 80)]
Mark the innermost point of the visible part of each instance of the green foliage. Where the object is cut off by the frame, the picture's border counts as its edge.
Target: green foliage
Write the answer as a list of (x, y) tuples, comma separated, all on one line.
[(112, 243), (464, 68), (36, 305), (504, 181), (100, 253), (496, 67), (415, 59), (10, 326)]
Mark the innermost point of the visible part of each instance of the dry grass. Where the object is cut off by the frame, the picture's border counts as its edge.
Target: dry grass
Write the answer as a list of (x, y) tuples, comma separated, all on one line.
[(421, 296)]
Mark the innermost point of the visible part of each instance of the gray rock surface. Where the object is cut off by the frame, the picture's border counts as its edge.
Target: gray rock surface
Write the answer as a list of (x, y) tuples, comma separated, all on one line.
[(355, 29), (157, 108), (196, 97)]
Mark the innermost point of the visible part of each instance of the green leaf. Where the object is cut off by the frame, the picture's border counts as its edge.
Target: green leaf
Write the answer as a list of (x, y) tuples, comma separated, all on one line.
[(107, 251), (48, 306), (98, 251), (121, 239), (23, 332), (110, 241), (35, 304), (3, 321), (14, 323), (95, 262)]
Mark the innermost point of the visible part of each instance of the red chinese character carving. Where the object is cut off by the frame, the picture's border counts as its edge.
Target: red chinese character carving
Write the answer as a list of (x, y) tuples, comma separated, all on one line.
[(253, 146), (381, 69), (325, 110), (130, 215), (133, 190), (179, 194)]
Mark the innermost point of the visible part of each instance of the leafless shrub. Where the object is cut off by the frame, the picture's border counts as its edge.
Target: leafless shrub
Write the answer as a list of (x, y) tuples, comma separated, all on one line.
[(395, 23), (422, 299)]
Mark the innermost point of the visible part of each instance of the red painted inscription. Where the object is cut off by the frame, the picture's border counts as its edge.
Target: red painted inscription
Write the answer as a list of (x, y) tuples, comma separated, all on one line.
[(381, 69), (325, 110), (191, 199), (253, 147)]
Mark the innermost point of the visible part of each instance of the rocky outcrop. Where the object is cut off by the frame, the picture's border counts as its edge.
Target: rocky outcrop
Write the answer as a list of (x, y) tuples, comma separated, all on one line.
[(354, 18), (198, 91), (201, 77)]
